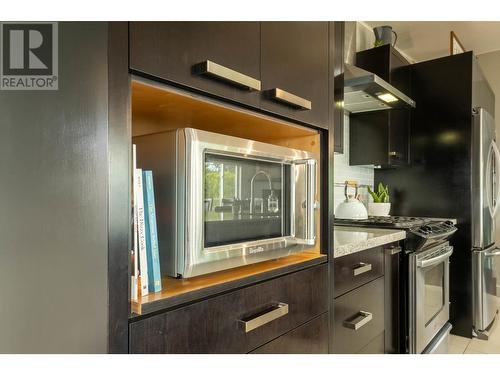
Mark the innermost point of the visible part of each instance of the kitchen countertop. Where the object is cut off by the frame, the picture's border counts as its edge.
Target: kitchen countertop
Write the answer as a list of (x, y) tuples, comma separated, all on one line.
[(350, 240)]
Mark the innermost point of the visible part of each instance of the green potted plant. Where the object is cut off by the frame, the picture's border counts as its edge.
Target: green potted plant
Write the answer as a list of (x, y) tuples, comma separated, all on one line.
[(380, 205)]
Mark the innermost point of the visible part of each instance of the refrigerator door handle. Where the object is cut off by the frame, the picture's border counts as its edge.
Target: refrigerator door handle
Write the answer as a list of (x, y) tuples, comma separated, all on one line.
[(492, 253), (496, 152)]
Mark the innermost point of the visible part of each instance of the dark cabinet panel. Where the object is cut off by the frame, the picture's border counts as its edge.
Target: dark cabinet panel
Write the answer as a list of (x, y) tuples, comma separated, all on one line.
[(369, 138), (171, 50), (336, 78), (359, 317), (394, 306), (294, 58), (382, 137), (215, 325), (356, 269), (310, 338)]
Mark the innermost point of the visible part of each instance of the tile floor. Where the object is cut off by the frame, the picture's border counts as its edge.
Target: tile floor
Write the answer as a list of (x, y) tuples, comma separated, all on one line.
[(462, 345)]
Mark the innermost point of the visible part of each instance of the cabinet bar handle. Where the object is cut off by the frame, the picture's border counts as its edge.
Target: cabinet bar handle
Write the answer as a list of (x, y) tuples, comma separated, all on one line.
[(278, 310), (361, 268), (393, 250), (212, 69), (290, 99), (359, 321)]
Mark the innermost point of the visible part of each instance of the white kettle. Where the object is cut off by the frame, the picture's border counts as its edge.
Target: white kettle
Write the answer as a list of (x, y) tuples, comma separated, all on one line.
[(351, 208)]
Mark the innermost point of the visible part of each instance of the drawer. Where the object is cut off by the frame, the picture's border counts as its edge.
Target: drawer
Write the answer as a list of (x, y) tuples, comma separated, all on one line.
[(359, 317), (236, 322), (309, 338), (376, 346), (356, 269)]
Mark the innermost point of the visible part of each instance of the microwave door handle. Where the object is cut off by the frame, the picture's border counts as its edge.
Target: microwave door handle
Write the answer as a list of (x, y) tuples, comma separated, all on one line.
[(430, 262), (309, 203)]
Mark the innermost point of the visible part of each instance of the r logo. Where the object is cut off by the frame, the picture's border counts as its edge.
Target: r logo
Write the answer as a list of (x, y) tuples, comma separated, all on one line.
[(29, 56)]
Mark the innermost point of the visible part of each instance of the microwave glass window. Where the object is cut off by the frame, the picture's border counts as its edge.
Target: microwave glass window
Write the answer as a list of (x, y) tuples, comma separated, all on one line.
[(245, 199), (434, 292)]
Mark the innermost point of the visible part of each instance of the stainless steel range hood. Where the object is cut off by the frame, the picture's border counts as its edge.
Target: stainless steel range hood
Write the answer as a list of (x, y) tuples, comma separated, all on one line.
[(365, 91)]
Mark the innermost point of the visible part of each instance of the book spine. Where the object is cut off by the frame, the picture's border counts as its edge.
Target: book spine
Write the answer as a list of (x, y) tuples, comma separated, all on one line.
[(134, 291), (146, 231), (141, 233), (154, 254)]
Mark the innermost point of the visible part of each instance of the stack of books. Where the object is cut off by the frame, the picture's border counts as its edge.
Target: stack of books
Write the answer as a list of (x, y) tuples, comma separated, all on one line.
[(146, 275)]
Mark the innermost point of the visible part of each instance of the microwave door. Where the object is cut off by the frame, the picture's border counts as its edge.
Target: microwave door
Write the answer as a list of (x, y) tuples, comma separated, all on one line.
[(485, 191)]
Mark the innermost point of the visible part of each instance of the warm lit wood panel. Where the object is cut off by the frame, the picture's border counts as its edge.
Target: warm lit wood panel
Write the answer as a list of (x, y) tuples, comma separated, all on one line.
[(157, 109)]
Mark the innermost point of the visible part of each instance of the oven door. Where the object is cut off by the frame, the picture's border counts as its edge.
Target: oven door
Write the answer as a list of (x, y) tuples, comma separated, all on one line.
[(429, 295), (246, 202)]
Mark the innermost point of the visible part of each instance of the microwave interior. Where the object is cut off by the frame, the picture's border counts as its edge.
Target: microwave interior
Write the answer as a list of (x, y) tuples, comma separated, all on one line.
[(244, 199)]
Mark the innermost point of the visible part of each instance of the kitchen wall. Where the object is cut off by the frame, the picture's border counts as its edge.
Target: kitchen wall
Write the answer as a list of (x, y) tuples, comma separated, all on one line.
[(489, 63)]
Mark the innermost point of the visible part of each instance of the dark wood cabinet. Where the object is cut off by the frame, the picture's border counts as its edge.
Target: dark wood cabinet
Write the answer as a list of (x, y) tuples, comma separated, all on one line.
[(174, 50), (336, 79), (369, 281), (309, 338), (294, 61), (382, 137), (376, 346), (216, 325), (356, 269), (287, 62), (359, 317)]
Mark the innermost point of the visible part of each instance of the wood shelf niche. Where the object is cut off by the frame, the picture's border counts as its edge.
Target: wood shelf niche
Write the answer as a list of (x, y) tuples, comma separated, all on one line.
[(158, 108)]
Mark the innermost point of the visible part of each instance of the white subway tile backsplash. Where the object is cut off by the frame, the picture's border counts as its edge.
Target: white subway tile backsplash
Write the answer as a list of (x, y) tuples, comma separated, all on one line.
[(343, 171)]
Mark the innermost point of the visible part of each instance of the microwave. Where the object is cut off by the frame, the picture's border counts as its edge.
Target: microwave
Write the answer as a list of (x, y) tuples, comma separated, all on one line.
[(225, 202)]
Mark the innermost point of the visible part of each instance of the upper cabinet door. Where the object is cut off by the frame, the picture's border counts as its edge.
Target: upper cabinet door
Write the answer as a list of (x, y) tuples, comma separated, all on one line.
[(294, 70), (220, 58)]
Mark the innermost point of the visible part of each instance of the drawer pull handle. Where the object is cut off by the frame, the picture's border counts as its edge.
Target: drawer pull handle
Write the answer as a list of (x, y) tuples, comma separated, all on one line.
[(290, 99), (212, 69), (276, 311), (361, 268), (393, 250), (359, 321)]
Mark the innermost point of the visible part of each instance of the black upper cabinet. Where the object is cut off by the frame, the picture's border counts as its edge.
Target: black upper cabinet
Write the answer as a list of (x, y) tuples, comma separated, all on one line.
[(382, 137), (177, 51), (294, 70)]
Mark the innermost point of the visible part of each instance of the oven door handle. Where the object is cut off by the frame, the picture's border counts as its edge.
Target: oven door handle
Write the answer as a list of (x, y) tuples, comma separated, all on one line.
[(438, 259)]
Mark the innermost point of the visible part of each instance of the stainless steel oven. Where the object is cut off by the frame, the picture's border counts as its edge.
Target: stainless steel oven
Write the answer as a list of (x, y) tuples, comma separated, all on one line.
[(428, 296), (226, 202)]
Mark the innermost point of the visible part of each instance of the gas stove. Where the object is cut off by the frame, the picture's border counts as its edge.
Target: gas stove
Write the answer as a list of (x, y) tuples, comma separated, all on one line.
[(421, 231), (403, 222)]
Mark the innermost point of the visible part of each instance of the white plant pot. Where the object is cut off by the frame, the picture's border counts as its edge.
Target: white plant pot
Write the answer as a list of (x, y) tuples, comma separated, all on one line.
[(379, 209)]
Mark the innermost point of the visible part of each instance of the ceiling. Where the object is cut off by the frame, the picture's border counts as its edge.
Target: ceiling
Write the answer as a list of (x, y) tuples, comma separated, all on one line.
[(424, 40)]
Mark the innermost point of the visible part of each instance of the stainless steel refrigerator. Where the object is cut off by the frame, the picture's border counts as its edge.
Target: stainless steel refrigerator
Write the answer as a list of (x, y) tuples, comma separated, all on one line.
[(485, 206)]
